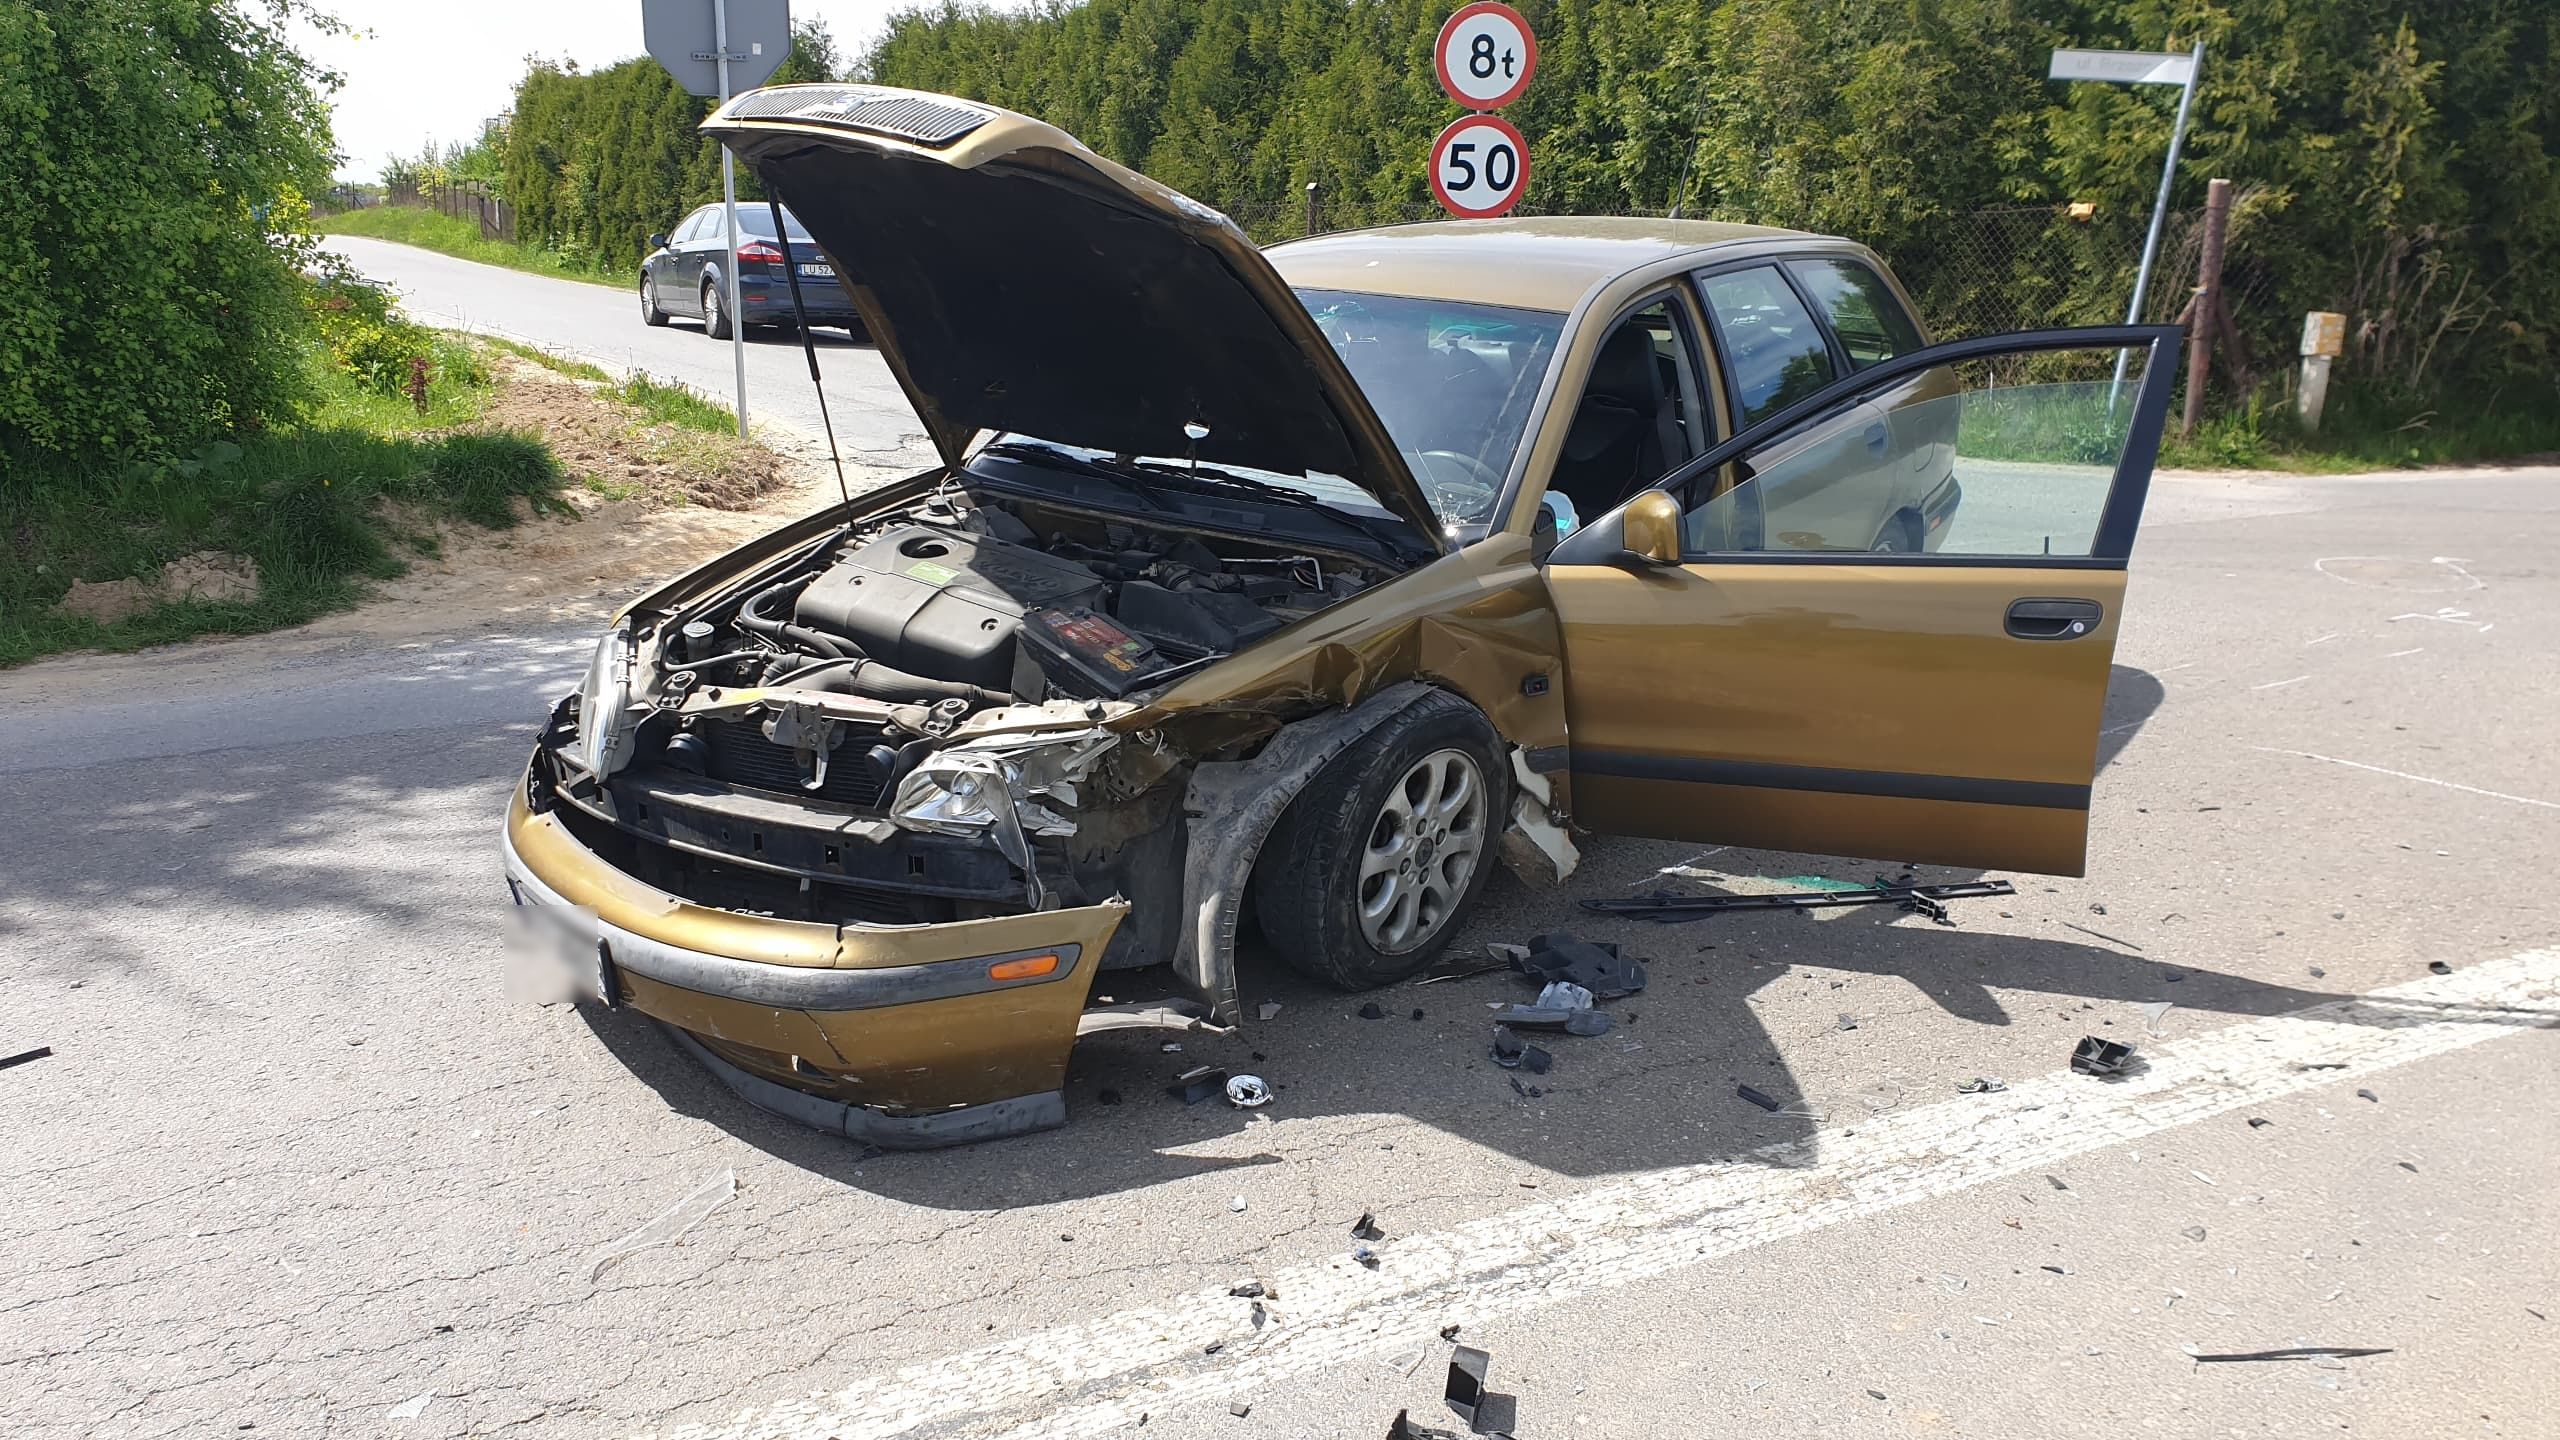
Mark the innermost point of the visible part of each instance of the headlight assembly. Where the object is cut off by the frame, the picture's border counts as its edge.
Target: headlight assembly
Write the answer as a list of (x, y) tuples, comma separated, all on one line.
[(605, 722)]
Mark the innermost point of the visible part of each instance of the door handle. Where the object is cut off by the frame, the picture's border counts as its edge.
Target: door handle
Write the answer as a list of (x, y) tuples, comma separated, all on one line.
[(1877, 438), (2053, 619)]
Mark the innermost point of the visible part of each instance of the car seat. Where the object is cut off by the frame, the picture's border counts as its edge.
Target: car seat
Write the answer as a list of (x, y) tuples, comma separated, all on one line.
[(1624, 436)]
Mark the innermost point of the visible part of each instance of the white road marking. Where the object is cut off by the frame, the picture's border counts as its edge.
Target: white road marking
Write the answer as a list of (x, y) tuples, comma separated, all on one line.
[(1101, 1376), (2280, 684), (2405, 775)]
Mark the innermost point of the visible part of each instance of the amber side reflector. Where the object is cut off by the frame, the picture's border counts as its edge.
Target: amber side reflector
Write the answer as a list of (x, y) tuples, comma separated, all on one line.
[(1023, 968)]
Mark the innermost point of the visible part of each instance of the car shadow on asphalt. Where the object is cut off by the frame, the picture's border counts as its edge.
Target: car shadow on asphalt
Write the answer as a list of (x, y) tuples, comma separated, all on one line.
[(1660, 1091)]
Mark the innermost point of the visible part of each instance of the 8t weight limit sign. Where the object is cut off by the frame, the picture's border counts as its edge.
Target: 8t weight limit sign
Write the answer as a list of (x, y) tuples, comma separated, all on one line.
[(1485, 56)]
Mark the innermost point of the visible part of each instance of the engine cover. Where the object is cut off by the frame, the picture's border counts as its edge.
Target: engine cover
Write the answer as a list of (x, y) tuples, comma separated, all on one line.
[(942, 603)]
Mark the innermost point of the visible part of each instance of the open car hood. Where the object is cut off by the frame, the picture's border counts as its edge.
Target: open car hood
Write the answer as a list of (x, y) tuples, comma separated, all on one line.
[(1015, 280)]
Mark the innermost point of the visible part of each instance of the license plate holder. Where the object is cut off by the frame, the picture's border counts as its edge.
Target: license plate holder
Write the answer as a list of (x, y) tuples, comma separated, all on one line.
[(556, 953)]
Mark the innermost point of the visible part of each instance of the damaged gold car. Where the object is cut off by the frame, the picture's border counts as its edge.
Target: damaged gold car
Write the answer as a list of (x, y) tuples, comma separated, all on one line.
[(1295, 588)]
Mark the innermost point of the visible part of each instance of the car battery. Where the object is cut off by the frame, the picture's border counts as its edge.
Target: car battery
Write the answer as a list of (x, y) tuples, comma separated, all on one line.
[(1089, 652)]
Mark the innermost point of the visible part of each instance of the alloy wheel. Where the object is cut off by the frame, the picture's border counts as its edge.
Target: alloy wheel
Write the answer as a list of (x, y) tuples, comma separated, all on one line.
[(1423, 850)]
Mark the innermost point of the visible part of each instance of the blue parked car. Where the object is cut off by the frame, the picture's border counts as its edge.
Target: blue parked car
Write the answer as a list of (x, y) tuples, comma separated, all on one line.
[(685, 275)]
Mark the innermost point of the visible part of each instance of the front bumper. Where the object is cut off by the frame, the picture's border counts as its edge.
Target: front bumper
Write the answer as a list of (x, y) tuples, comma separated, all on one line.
[(896, 1035)]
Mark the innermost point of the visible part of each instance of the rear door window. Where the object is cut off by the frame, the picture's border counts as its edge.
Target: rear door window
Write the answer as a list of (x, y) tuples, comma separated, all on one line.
[(1774, 353), (1864, 314)]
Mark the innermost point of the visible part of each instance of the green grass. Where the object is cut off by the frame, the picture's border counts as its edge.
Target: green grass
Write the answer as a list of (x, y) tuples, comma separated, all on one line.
[(549, 360), (665, 402), (460, 238), (659, 402), (2357, 437), (305, 502)]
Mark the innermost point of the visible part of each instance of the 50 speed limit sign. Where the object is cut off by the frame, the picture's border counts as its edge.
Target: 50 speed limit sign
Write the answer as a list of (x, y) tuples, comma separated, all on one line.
[(1485, 56), (1479, 167)]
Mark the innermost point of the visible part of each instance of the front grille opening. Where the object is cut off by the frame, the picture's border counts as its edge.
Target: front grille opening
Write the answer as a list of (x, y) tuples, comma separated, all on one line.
[(706, 881), (742, 756)]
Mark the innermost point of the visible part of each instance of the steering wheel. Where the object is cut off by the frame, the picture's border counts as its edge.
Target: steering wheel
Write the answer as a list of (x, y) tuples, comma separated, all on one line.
[(1464, 496)]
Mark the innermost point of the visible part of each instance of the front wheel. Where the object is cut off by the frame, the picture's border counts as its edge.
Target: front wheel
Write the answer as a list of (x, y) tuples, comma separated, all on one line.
[(650, 314), (1366, 876), (715, 320)]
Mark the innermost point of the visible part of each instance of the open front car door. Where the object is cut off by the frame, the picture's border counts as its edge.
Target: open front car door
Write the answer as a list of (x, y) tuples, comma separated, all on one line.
[(1792, 643)]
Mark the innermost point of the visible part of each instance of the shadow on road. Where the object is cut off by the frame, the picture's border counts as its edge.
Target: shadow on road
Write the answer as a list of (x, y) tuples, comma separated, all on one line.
[(366, 828)]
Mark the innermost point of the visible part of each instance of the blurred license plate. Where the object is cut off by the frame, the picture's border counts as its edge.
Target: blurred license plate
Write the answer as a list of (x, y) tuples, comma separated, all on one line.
[(819, 272), (555, 953)]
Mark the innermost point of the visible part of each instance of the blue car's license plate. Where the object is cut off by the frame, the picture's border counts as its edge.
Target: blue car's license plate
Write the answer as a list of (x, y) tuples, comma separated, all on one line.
[(819, 272)]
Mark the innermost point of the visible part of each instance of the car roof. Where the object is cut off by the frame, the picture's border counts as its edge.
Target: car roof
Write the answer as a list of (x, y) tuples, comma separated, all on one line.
[(1545, 262)]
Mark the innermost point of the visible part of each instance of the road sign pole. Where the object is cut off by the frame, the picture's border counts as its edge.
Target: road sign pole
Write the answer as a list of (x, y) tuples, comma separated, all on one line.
[(729, 205), (2159, 211)]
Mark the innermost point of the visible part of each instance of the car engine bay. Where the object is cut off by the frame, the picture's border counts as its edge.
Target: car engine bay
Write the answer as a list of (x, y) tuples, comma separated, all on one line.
[(899, 720), (951, 600)]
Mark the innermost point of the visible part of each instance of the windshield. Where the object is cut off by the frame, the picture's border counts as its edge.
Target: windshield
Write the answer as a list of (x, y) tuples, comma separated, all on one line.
[(1452, 382)]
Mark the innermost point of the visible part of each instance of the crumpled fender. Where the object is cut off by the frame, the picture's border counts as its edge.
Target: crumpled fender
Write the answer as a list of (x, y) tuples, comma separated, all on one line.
[(1247, 799)]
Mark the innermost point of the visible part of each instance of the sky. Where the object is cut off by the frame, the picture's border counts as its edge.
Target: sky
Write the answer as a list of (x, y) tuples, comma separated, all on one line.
[(436, 70)]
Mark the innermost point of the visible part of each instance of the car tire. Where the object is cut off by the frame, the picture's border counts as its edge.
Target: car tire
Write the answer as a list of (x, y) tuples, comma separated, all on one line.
[(715, 317), (1359, 885), (650, 314), (1900, 535)]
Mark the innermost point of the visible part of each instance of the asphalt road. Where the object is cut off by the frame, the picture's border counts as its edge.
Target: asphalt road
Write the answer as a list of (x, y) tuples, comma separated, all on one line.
[(297, 1164), (873, 420)]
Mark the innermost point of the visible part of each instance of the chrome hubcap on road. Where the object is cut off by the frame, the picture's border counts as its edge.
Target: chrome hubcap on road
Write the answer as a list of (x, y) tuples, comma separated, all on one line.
[(1423, 849)]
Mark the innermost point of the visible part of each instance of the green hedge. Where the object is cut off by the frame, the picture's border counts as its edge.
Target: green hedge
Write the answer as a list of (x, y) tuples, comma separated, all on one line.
[(153, 155)]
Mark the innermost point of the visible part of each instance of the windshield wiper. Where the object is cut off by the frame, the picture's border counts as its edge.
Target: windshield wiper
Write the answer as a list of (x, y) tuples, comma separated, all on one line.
[(1039, 454), (1208, 477)]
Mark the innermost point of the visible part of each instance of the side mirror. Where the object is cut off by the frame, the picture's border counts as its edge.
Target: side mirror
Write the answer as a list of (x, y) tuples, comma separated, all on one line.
[(1542, 536), (657, 242), (1651, 523)]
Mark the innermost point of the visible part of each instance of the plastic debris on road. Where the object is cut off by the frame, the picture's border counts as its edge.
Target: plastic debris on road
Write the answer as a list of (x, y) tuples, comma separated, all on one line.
[(1197, 1084), (1759, 1099), (1982, 1085), (411, 1408), (670, 1224), (1485, 1411), (1366, 1228), (2102, 1058), (1248, 1092)]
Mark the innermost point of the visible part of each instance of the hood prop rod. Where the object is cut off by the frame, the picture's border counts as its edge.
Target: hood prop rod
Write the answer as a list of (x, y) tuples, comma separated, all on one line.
[(808, 347)]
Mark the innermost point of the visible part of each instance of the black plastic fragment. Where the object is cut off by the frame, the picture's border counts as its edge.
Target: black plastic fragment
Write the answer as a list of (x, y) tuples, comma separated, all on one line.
[(2438, 967), (1535, 1060), (1486, 1411), (1596, 967), (2298, 1352), (1756, 1098), (1197, 1084), (2093, 1056), (1366, 1228), (24, 1056), (1404, 1428), (1373, 1011), (1507, 1047), (1249, 1290)]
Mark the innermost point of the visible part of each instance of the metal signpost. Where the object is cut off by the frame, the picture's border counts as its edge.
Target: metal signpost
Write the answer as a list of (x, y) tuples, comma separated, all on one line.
[(1485, 57), (2140, 67), (716, 48)]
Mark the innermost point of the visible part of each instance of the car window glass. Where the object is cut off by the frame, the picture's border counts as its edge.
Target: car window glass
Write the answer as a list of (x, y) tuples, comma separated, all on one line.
[(2004, 455), (693, 227), (1453, 383), (754, 219), (1774, 354), (1639, 416), (1866, 317)]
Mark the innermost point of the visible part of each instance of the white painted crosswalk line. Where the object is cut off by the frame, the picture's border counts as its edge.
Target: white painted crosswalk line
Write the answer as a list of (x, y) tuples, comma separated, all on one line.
[(1093, 1378)]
